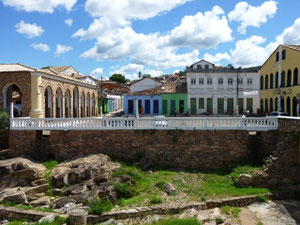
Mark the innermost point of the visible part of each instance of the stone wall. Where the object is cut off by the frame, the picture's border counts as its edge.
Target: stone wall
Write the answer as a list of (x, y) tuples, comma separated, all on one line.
[(23, 81), (4, 140), (170, 149)]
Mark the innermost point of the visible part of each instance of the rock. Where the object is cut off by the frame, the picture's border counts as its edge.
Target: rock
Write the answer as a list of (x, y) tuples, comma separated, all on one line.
[(57, 191), (61, 202), (102, 178), (50, 218), (81, 169), (145, 164), (169, 188), (244, 180), (19, 172), (39, 182), (31, 198), (17, 197), (41, 201), (69, 206), (37, 189), (125, 178), (189, 213), (109, 222), (79, 188)]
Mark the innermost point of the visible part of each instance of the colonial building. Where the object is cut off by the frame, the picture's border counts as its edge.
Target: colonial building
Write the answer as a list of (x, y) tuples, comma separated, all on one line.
[(49, 92), (279, 79), (220, 90), (144, 84)]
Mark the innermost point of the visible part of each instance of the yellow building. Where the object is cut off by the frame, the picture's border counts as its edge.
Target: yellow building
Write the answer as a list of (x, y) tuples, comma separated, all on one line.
[(285, 60)]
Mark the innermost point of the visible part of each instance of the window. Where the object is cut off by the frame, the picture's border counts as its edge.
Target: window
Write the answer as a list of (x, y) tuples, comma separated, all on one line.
[(295, 76), (283, 54), (250, 104), (220, 81), (201, 81), (289, 78), (206, 67), (266, 82), (261, 82), (240, 80), (276, 80), (155, 107), (209, 81), (201, 103), (282, 84), (277, 56), (249, 81), (271, 80), (193, 80), (199, 67), (230, 81)]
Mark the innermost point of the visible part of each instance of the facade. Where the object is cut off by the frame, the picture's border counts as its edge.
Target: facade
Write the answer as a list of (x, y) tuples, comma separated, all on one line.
[(149, 103), (45, 93), (144, 84), (279, 79), (219, 90)]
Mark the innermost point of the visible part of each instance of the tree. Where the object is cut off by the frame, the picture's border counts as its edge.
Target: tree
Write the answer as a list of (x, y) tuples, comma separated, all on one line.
[(140, 74), (146, 76), (181, 73), (230, 66), (118, 78)]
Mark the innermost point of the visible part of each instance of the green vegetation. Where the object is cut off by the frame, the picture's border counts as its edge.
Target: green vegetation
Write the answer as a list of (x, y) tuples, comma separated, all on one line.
[(260, 223), (190, 186), (175, 221), (99, 206), (155, 200), (4, 121), (57, 221), (27, 207), (235, 211), (262, 198), (50, 164)]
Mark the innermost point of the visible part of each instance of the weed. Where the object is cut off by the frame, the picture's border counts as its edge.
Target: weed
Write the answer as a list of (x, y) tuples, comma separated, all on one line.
[(160, 185), (99, 206), (235, 211), (262, 198), (50, 164), (4, 121), (176, 221), (260, 223), (125, 190), (155, 200)]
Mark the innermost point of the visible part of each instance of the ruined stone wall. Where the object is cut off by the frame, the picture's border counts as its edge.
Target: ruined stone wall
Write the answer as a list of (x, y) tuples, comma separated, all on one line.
[(23, 81), (172, 149)]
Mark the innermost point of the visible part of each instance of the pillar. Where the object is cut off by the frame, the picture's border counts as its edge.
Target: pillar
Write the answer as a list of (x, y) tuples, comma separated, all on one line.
[(36, 97)]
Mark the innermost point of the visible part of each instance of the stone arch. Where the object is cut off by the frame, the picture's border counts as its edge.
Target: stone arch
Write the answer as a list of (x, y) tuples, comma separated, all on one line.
[(75, 102), (67, 103), (82, 103), (266, 82), (88, 104), (93, 105), (12, 92), (48, 103)]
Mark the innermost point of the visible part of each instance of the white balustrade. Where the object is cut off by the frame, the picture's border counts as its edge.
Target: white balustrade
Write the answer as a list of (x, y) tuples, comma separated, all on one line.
[(146, 123)]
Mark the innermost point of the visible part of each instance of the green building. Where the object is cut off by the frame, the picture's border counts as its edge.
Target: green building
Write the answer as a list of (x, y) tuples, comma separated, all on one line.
[(174, 99)]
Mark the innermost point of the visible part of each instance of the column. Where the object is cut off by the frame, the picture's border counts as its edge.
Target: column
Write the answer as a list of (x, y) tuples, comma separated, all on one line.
[(36, 97)]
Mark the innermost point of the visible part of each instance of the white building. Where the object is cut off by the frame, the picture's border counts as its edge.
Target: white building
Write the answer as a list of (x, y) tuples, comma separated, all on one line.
[(219, 90), (144, 84)]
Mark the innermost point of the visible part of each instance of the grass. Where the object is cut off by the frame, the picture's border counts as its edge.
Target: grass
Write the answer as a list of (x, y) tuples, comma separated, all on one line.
[(190, 186), (26, 207), (57, 221), (176, 221), (99, 206), (50, 164), (235, 211), (155, 200)]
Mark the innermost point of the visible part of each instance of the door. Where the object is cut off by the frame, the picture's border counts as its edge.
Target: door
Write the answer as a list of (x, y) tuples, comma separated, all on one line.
[(173, 106), (209, 105), (220, 105), (130, 106), (250, 104), (147, 106), (230, 106), (241, 105), (165, 107), (193, 106), (181, 106), (140, 106)]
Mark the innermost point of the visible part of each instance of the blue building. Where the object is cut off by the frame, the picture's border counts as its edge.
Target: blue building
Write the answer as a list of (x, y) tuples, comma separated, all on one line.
[(149, 102)]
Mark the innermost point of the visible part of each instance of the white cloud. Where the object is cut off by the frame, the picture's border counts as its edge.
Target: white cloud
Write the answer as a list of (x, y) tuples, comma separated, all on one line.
[(131, 68), (69, 22), (290, 35), (216, 58), (30, 30), (252, 16), (96, 72), (40, 46), (201, 30), (46, 6), (62, 49)]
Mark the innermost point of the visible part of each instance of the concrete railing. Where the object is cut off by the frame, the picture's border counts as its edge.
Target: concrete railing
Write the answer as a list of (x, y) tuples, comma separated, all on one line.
[(146, 123)]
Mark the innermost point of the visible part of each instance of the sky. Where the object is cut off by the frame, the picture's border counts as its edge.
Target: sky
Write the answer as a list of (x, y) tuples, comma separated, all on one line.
[(103, 37)]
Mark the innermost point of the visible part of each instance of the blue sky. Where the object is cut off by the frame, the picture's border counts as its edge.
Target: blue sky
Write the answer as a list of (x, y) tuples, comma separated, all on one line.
[(152, 36)]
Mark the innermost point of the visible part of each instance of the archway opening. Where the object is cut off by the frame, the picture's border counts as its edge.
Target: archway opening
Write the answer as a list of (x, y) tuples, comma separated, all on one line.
[(93, 105), (88, 105), (12, 94), (48, 102), (75, 103), (58, 103), (82, 102), (67, 104)]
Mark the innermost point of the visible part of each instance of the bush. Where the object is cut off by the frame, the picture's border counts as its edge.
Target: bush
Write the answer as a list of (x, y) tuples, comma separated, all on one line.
[(124, 190), (99, 206), (4, 120)]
